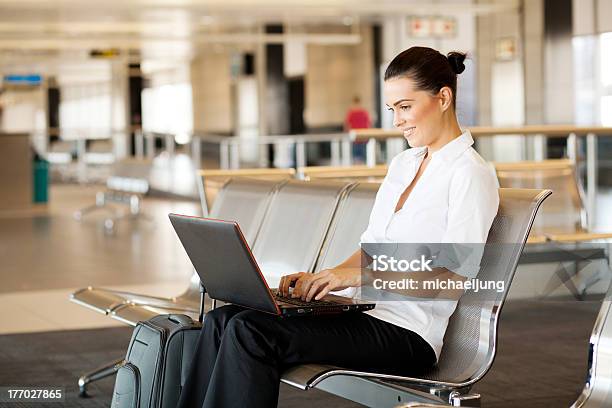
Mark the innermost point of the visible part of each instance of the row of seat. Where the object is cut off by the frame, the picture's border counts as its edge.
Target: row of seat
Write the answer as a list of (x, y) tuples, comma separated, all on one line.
[(286, 224), (289, 226), (297, 225), (562, 219), (560, 233)]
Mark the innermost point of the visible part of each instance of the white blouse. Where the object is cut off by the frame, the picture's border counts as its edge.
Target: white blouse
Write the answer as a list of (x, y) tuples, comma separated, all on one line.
[(454, 201)]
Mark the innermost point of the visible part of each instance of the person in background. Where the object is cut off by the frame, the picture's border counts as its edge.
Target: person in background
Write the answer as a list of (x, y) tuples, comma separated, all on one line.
[(357, 118)]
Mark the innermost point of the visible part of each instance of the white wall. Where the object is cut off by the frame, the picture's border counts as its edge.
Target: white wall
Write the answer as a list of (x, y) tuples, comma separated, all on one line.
[(167, 104), (584, 17), (603, 15), (501, 84), (334, 75), (592, 49), (24, 110), (212, 92), (248, 118), (396, 39), (507, 109)]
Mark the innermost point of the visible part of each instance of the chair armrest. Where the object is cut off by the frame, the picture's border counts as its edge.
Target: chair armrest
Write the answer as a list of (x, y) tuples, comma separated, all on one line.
[(579, 236)]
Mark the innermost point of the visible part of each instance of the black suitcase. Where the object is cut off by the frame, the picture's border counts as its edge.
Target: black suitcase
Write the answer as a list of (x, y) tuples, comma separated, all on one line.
[(156, 364)]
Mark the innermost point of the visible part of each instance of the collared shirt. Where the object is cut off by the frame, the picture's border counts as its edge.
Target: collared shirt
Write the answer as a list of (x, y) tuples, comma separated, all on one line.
[(454, 201)]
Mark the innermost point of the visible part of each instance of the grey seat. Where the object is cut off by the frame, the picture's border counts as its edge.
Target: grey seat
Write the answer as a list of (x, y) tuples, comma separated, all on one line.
[(128, 184), (277, 248), (229, 205), (597, 392), (242, 200), (295, 226), (561, 230), (295, 223), (470, 340), (307, 207), (350, 221), (210, 181), (292, 206)]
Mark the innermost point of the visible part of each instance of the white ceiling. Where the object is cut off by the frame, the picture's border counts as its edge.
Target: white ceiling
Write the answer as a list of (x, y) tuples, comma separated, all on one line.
[(41, 30)]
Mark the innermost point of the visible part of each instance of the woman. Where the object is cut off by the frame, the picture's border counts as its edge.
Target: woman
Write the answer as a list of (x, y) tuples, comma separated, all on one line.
[(440, 191)]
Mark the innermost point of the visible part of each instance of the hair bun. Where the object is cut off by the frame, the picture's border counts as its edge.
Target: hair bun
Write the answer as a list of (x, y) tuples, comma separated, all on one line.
[(456, 61)]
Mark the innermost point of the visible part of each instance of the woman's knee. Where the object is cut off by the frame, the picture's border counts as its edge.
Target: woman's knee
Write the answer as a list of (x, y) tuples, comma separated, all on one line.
[(218, 318), (252, 330)]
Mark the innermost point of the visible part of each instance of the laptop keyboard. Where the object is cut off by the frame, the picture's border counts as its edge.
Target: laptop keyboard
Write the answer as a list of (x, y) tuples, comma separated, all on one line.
[(300, 302)]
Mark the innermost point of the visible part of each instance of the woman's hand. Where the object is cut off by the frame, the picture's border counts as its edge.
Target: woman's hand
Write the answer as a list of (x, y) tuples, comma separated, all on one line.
[(288, 281), (317, 285)]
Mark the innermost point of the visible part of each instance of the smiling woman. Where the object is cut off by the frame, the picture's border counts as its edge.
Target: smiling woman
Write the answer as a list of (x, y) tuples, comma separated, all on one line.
[(454, 201), (420, 90)]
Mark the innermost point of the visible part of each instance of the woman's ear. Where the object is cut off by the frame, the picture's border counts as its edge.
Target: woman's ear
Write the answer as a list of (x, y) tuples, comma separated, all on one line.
[(446, 98)]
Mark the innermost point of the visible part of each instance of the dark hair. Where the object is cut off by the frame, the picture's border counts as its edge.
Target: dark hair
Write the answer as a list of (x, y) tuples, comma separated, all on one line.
[(428, 68)]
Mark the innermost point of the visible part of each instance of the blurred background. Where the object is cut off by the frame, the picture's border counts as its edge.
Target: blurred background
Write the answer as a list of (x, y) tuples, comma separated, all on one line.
[(145, 107), (97, 82)]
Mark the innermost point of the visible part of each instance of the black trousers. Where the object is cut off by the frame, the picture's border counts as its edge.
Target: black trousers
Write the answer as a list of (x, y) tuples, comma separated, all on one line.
[(242, 353)]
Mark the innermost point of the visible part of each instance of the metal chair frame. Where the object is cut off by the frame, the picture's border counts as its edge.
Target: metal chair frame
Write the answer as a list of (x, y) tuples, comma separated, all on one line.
[(554, 242), (120, 189), (130, 308), (376, 389), (597, 391)]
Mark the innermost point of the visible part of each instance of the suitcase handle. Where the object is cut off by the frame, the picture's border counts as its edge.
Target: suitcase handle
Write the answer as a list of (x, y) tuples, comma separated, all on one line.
[(180, 319)]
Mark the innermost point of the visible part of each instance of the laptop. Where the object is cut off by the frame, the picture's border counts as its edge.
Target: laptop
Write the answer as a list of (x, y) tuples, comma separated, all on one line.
[(229, 272)]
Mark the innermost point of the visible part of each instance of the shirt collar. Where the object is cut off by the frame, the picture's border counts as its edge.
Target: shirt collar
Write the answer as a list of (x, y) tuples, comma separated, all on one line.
[(449, 151), (454, 148)]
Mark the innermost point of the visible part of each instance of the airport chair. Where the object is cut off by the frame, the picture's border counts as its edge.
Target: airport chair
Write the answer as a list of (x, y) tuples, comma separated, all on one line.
[(99, 152), (597, 392), (242, 200), (470, 342), (361, 173), (564, 211), (295, 226), (561, 225), (230, 205), (350, 221), (133, 307), (211, 181), (294, 206), (289, 239), (127, 185)]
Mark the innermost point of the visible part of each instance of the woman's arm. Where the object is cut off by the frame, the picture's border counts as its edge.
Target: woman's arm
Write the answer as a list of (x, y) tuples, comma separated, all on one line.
[(350, 273), (347, 274)]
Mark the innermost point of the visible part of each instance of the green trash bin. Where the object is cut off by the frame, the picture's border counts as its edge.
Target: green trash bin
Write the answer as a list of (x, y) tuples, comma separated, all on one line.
[(41, 181)]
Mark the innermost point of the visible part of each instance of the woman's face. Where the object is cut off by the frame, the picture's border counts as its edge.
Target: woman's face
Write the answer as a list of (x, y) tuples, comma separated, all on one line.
[(418, 114)]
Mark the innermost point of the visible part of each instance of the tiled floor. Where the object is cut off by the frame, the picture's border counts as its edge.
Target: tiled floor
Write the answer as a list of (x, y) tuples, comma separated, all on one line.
[(46, 254)]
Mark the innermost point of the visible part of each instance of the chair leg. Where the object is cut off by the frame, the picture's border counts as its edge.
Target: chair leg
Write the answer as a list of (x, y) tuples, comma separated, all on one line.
[(100, 204), (602, 273), (97, 374), (471, 400)]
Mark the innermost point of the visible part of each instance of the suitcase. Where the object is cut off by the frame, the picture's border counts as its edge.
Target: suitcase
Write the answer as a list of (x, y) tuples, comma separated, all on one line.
[(157, 362)]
